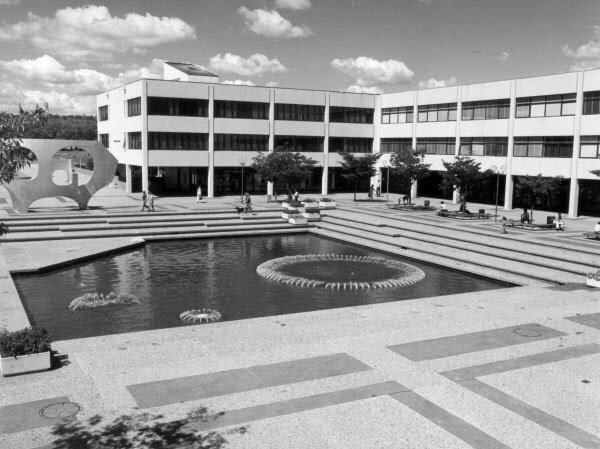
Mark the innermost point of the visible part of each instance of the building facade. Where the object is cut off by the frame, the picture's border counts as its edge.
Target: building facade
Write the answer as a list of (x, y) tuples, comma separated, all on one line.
[(188, 130)]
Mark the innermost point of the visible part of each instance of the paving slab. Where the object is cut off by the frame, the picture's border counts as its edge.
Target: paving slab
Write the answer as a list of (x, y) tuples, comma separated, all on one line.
[(28, 415)]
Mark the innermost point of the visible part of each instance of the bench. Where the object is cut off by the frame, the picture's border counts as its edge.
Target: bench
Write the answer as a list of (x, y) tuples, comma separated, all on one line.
[(541, 227), (592, 235), (513, 223), (462, 216), (411, 207)]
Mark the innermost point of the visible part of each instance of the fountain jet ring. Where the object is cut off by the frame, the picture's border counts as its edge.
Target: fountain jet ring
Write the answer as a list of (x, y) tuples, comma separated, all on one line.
[(200, 316), (398, 273)]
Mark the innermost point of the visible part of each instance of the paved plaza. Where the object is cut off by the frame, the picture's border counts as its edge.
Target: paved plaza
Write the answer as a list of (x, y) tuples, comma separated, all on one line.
[(508, 368)]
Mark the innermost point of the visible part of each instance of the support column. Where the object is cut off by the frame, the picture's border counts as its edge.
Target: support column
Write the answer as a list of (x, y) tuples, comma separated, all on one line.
[(210, 182), (325, 178), (271, 143), (574, 190), (413, 190), (508, 192), (455, 198), (145, 154), (509, 183), (128, 180)]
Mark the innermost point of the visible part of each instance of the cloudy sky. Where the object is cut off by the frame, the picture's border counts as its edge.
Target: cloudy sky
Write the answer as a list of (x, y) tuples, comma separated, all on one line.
[(66, 52)]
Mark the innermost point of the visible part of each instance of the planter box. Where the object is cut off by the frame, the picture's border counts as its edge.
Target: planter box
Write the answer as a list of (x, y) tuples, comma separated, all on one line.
[(327, 205), (287, 214), (592, 283), (298, 221), (22, 364), (311, 216), (285, 205)]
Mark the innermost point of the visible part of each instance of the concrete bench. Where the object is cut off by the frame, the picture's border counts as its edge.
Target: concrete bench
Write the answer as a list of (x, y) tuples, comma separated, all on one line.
[(592, 235), (463, 216)]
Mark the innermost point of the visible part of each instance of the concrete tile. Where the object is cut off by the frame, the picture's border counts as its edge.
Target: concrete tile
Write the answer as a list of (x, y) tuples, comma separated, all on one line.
[(25, 416), (591, 320), (477, 341)]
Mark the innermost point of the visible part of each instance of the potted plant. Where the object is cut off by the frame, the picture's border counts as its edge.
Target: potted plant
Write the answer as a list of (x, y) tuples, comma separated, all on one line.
[(327, 203), (593, 279), (308, 202), (287, 214), (298, 219), (24, 351), (297, 205), (312, 211)]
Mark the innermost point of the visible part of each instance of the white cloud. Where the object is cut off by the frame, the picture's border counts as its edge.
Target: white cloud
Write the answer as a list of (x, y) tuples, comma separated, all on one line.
[(92, 33), (588, 54), (293, 4), (368, 72), (432, 83), (503, 56), (255, 65), (45, 79), (272, 24), (239, 82), (364, 90), (10, 2)]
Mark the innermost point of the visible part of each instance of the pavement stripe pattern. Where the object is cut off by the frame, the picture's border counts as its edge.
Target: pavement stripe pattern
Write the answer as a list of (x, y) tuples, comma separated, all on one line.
[(190, 388), (419, 351)]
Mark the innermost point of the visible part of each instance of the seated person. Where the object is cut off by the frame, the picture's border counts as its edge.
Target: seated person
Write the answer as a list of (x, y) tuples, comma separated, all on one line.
[(463, 209), (597, 228), (443, 208), (525, 217), (558, 221), (405, 200)]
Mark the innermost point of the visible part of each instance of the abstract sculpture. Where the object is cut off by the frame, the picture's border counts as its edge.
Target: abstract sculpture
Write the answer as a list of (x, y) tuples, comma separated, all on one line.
[(23, 192)]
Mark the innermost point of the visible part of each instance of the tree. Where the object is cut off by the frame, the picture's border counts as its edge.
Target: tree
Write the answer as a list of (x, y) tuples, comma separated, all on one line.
[(69, 127), (358, 168), (537, 190), (463, 176), (410, 167), (283, 167), (595, 172), (13, 127)]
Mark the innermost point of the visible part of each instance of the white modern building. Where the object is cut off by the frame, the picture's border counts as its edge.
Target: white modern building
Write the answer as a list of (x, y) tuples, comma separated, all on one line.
[(188, 130)]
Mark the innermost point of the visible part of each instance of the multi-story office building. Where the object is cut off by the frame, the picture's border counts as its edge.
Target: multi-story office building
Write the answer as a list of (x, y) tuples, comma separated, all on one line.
[(188, 130)]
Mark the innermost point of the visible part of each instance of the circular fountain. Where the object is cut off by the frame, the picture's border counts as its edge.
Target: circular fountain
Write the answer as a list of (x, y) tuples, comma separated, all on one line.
[(200, 316), (340, 271)]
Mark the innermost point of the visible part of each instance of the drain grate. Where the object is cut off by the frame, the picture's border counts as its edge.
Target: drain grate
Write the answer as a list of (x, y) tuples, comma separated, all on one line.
[(526, 332), (60, 410)]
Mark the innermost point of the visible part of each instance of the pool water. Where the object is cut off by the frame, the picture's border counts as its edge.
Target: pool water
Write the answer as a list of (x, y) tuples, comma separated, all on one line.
[(175, 276)]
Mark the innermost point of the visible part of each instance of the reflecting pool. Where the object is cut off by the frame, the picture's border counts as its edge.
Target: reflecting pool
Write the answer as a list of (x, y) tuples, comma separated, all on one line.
[(175, 276)]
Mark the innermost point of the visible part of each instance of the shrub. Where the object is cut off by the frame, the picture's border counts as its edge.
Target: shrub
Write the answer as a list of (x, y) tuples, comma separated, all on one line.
[(326, 200), (309, 200), (24, 342), (292, 211), (296, 204), (595, 276)]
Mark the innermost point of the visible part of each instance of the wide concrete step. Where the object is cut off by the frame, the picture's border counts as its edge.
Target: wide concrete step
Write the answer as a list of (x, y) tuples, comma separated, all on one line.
[(470, 234), (166, 224), (450, 242), (493, 262), (144, 232), (441, 260), (101, 214)]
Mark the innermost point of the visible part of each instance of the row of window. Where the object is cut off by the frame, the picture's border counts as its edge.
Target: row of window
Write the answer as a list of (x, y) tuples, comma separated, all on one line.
[(561, 147), (299, 112), (397, 115), (437, 113), (551, 147), (541, 106), (104, 140), (177, 141)]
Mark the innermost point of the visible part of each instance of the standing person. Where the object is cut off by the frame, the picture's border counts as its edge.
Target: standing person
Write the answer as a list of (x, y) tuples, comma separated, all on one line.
[(558, 221), (503, 229), (144, 201), (247, 203), (151, 202), (378, 191), (371, 189), (199, 194)]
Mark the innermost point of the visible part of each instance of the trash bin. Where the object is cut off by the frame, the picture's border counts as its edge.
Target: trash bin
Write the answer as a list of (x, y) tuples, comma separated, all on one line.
[(426, 203)]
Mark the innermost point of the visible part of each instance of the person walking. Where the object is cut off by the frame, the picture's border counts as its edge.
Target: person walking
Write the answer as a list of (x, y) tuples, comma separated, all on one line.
[(144, 201), (151, 202), (378, 191), (503, 228), (371, 189), (199, 194), (558, 221)]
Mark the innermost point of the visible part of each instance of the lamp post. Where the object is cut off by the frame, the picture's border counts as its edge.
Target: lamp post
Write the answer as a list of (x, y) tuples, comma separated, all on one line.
[(242, 162), (498, 171)]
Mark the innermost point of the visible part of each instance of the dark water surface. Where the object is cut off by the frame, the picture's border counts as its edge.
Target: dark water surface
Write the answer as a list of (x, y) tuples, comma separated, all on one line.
[(174, 276)]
